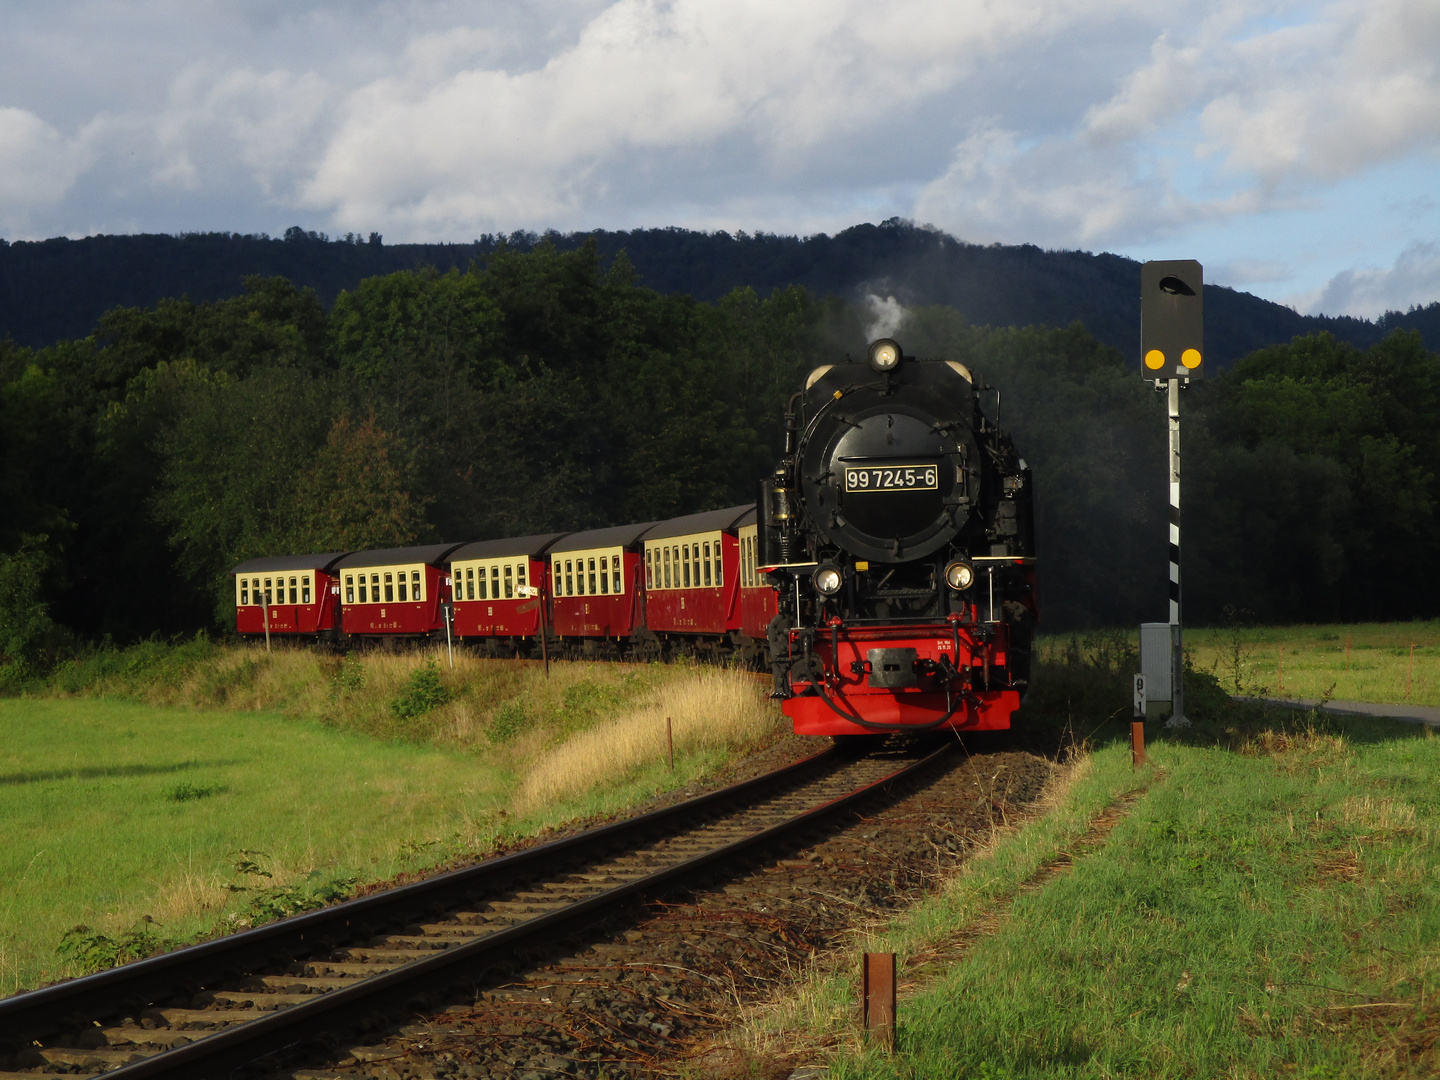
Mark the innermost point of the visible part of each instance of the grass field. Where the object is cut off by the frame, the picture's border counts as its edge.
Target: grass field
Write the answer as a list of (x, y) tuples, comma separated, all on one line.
[(173, 796), (1362, 662), (1266, 904)]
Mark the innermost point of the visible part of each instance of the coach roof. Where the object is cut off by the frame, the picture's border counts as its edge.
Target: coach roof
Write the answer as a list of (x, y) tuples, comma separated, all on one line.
[(618, 536), (271, 563), (433, 554), (504, 548), (709, 521)]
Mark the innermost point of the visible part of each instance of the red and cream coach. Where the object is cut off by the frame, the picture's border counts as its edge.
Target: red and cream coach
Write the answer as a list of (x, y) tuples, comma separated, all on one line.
[(396, 592), (597, 588), (692, 583), (288, 595), (500, 593)]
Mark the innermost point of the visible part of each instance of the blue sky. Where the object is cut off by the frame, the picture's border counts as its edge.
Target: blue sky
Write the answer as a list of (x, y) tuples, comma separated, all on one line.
[(1293, 147)]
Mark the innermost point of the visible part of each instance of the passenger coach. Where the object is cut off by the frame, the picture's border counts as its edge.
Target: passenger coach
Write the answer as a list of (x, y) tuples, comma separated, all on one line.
[(692, 584), (500, 593), (396, 592), (293, 595), (597, 587)]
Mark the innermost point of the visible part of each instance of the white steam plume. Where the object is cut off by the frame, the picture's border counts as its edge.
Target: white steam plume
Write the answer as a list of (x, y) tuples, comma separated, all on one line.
[(886, 315)]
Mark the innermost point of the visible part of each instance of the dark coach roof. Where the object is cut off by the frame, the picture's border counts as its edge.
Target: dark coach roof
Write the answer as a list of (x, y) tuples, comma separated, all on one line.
[(269, 563), (750, 517), (425, 553), (617, 536), (709, 521), (499, 549)]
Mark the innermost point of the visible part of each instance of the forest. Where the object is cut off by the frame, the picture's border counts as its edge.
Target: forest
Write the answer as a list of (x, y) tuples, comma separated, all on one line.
[(544, 388)]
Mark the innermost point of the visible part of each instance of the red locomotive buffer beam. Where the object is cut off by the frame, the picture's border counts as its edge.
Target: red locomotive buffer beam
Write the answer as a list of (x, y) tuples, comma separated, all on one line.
[(947, 675)]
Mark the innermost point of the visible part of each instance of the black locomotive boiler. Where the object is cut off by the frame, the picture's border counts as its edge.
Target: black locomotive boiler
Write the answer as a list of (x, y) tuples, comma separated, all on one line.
[(898, 531)]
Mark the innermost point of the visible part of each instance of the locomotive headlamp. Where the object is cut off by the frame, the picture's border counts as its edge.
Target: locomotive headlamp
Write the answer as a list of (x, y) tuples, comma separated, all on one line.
[(828, 579), (959, 575), (885, 354)]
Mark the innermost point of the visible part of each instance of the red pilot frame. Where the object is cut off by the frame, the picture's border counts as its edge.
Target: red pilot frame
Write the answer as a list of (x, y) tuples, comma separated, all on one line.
[(397, 592), (500, 590), (692, 581), (955, 672), (597, 586), (292, 595)]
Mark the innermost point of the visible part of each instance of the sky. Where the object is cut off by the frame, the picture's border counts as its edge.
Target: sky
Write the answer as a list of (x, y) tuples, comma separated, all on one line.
[(1292, 147)]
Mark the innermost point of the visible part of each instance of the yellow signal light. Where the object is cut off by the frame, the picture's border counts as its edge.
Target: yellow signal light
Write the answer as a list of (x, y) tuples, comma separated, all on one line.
[(1155, 359), (1190, 358)]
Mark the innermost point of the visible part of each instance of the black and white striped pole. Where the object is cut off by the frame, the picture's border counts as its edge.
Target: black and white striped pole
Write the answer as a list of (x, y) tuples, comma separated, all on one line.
[(1172, 350)]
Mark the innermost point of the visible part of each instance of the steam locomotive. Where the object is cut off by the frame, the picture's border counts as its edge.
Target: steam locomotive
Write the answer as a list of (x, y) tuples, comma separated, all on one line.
[(898, 531)]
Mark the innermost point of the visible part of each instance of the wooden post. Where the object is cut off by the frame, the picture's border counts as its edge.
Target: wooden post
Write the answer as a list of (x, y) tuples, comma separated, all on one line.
[(1137, 743), (670, 742), (878, 1001)]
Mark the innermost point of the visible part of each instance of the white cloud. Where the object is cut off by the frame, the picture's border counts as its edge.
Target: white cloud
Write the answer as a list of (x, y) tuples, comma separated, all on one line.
[(751, 88), (38, 166), (1413, 279), (1230, 122)]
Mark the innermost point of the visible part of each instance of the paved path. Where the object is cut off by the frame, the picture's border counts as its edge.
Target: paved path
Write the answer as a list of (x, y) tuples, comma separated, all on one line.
[(1413, 714)]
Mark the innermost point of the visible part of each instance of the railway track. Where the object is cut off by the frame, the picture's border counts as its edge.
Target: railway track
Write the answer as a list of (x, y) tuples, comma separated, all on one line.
[(292, 989)]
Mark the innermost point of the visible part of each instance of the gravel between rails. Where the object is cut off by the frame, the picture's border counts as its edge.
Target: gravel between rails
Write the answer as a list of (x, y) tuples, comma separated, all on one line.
[(644, 994)]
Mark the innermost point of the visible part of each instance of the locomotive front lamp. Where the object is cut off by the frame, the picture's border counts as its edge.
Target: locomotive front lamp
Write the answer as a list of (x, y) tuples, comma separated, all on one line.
[(959, 575), (885, 354), (828, 579)]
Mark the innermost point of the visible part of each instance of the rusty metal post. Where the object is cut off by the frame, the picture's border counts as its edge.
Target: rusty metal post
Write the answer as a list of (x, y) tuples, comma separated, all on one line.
[(670, 742), (878, 1002), (1137, 743)]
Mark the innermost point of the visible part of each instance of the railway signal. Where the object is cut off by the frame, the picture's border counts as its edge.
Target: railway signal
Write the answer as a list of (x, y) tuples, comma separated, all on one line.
[(1172, 320), (1172, 352)]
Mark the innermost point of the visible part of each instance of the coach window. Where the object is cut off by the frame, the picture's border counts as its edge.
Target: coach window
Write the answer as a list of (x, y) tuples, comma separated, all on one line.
[(615, 575), (719, 568), (569, 578), (520, 574), (705, 563), (244, 591), (592, 577), (389, 588), (305, 589), (649, 568), (509, 582), (665, 563), (469, 586), (404, 588), (605, 574), (415, 590), (685, 560), (349, 588), (374, 588)]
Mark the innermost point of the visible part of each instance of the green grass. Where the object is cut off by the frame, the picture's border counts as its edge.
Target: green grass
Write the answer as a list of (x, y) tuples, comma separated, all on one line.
[(151, 823), (1269, 906), (1314, 661)]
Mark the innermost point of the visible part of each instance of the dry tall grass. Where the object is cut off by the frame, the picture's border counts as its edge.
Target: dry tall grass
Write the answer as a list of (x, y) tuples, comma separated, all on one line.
[(710, 710)]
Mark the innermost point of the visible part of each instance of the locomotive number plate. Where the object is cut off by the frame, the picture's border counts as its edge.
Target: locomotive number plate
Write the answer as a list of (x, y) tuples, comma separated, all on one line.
[(893, 478)]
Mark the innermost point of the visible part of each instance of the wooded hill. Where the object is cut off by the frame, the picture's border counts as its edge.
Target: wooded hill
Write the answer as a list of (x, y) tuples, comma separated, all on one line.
[(546, 390), (56, 289)]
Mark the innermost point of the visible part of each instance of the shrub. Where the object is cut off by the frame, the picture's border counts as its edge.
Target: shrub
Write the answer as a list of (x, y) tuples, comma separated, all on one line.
[(510, 719), (422, 693)]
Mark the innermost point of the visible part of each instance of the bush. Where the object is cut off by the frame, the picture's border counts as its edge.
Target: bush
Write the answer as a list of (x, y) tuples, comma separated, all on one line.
[(422, 693), (510, 719)]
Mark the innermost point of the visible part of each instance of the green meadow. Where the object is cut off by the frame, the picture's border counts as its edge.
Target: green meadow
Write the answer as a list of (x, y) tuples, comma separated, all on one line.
[(174, 794), (1261, 899)]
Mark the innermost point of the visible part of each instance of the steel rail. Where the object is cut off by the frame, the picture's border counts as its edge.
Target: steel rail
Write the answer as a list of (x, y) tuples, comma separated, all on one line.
[(214, 1057), (135, 986)]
